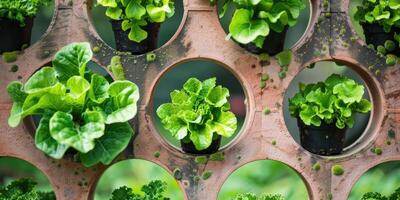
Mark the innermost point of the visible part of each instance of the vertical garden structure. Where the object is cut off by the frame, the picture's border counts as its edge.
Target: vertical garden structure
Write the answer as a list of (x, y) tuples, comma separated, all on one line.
[(330, 36)]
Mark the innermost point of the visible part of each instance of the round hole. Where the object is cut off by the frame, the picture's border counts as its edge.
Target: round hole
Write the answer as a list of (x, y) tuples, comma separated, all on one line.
[(12, 169), (386, 174), (166, 32), (320, 72), (134, 174), (177, 75), (264, 176), (16, 37), (293, 34)]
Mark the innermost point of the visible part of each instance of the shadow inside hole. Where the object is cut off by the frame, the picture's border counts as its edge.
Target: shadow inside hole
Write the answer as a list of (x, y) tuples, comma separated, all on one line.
[(387, 175), (293, 35), (167, 29), (202, 70), (320, 72), (356, 25), (135, 173), (12, 169), (42, 21), (264, 176)]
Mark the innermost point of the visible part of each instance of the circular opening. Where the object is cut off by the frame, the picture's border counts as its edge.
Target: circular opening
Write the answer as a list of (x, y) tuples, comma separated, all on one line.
[(264, 176), (15, 37), (134, 174), (386, 174), (175, 78), (12, 169), (167, 29), (320, 72), (293, 34)]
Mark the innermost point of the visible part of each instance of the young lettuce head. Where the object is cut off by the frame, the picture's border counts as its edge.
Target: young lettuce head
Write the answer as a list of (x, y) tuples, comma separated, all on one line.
[(79, 109), (197, 112), (136, 14), (334, 101)]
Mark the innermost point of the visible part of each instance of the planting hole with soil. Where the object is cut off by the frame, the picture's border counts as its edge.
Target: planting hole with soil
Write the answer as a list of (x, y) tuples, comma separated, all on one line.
[(336, 121), (264, 177), (18, 33), (134, 174), (127, 37), (218, 111), (272, 29)]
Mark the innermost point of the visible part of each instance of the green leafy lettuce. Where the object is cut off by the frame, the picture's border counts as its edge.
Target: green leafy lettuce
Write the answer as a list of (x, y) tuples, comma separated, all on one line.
[(198, 111), (251, 196), (24, 189), (136, 14), (18, 10), (79, 109), (334, 101), (253, 20), (152, 191), (383, 12)]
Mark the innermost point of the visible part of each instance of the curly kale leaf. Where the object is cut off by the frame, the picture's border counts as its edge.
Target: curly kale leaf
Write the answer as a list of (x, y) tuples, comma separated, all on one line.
[(251, 196), (198, 111), (23, 189), (152, 191)]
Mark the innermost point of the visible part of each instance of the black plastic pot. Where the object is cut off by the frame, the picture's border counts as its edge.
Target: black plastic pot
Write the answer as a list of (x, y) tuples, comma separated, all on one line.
[(374, 34), (123, 43), (190, 148), (325, 140), (13, 36), (273, 43)]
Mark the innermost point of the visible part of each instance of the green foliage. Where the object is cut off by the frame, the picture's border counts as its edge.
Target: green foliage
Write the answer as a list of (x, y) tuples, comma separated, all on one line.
[(383, 12), (198, 111), (253, 19), (251, 196), (24, 189), (152, 191), (79, 109), (116, 68), (334, 101), (136, 14), (18, 10), (377, 196)]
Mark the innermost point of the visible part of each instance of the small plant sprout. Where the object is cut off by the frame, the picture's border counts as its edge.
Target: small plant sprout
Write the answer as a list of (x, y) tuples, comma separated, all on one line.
[(116, 68), (337, 170), (264, 57), (316, 167), (219, 156), (391, 59), (200, 159), (378, 151), (10, 57)]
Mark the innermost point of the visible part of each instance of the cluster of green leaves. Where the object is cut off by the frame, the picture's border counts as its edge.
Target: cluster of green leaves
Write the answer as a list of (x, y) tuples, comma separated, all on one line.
[(378, 196), (251, 196), (138, 13), (334, 101), (78, 108), (198, 111), (20, 9), (24, 189), (384, 12), (253, 19), (152, 191)]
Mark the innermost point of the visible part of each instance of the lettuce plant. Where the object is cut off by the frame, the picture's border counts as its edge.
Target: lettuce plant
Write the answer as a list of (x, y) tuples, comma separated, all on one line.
[(152, 191), (334, 101), (251, 196), (198, 111), (383, 12), (24, 189), (136, 14), (79, 109), (253, 19), (20, 9), (378, 196)]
